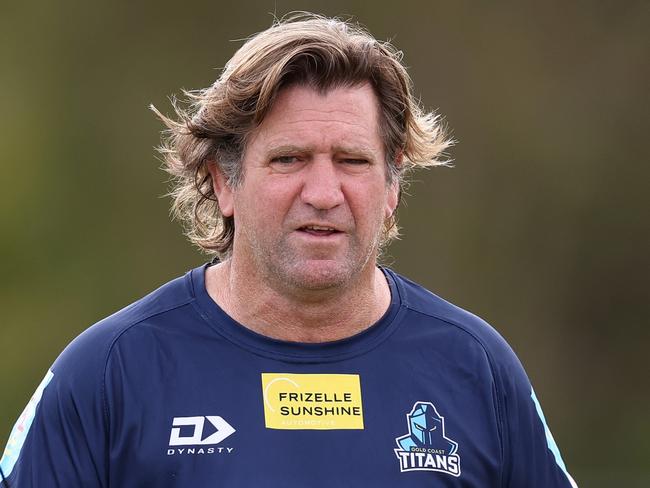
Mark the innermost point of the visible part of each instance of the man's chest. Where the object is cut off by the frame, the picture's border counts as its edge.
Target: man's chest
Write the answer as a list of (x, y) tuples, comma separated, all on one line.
[(380, 421)]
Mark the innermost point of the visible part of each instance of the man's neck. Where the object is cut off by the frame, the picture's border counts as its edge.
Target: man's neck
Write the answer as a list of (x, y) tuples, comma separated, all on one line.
[(319, 317)]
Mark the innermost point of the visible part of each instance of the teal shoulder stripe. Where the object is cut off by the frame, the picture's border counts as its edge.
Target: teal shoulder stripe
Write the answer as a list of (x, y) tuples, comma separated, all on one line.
[(21, 428), (550, 441)]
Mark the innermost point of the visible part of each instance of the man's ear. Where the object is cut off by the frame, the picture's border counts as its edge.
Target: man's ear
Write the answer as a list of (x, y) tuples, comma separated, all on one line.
[(222, 190), (393, 198), (394, 188)]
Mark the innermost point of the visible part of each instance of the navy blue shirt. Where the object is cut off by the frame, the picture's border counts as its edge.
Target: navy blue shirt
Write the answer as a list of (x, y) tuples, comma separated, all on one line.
[(171, 391)]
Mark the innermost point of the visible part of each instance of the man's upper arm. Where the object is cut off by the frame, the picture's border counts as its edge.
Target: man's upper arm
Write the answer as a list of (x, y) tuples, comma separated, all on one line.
[(60, 439), (532, 456)]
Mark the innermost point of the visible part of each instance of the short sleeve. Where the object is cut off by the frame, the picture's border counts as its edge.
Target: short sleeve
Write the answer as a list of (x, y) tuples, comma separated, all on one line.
[(60, 439), (532, 457)]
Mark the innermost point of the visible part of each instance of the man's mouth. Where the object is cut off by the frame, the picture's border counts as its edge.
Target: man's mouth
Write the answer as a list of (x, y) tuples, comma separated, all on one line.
[(319, 230)]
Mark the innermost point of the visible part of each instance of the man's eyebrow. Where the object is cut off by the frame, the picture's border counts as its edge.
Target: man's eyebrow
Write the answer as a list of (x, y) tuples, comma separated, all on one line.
[(288, 149), (363, 151)]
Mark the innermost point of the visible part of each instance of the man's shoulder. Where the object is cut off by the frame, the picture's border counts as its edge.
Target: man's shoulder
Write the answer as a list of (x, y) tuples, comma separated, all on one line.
[(172, 295), (436, 312), (93, 345)]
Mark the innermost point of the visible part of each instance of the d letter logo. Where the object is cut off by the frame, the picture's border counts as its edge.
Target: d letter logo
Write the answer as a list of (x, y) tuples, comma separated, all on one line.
[(224, 429)]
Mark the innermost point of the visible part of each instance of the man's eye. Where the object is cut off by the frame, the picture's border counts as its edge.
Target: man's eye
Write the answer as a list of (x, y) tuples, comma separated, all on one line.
[(355, 161), (284, 159), (419, 427)]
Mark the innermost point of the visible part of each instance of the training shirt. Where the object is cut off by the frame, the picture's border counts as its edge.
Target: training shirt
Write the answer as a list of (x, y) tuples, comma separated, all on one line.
[(171, 391)]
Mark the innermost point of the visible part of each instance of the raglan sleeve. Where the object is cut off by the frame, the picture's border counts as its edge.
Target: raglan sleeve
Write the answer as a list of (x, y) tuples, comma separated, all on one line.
[(61, 438), (532, 458)]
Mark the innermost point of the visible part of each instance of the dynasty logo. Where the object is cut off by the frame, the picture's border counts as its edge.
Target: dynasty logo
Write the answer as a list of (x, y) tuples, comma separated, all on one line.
[(426, 447), (190, 432)]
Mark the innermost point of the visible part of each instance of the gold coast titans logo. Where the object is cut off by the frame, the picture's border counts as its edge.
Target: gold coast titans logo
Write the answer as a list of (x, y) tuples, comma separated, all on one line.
[(426, 447)]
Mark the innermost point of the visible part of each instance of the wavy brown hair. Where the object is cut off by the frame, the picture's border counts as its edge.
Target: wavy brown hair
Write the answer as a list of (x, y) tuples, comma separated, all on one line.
[(308, 49)]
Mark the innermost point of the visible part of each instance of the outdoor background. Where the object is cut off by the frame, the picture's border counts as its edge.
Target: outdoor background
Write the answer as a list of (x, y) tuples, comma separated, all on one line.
[(541, 228)]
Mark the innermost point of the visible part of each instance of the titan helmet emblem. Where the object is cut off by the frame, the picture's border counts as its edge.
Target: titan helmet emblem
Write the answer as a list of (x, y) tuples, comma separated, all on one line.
[(426, 429)]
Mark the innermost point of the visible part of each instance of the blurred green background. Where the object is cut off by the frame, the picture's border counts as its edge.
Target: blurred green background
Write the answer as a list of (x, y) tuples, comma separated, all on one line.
[(541, 228)]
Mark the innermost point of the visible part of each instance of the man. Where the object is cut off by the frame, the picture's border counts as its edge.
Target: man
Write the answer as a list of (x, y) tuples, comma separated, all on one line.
[(292, 359)]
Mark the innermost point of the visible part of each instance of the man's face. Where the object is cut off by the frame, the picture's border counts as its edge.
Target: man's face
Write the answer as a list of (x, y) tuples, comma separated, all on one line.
[(311, 207)]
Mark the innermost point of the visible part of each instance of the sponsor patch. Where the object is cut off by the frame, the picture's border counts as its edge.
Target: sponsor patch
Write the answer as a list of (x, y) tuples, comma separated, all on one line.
[(312, 401)]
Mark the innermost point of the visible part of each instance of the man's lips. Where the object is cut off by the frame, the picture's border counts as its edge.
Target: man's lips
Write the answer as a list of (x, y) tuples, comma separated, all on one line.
[(319, 230)]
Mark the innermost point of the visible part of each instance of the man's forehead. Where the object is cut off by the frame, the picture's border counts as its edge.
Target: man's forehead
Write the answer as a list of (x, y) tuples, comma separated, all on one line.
[(347, 104), (343, 119), (297, 92)]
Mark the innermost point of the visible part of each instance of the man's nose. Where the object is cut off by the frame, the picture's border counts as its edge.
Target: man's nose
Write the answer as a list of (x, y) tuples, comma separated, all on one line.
[(322, 185)]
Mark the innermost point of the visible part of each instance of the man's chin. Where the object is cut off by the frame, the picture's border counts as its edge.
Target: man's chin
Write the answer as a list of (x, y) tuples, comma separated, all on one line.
[(320, 274)]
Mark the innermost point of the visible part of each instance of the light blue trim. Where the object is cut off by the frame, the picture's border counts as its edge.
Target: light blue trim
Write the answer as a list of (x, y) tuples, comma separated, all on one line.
[(21, 428), (550, 441)]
